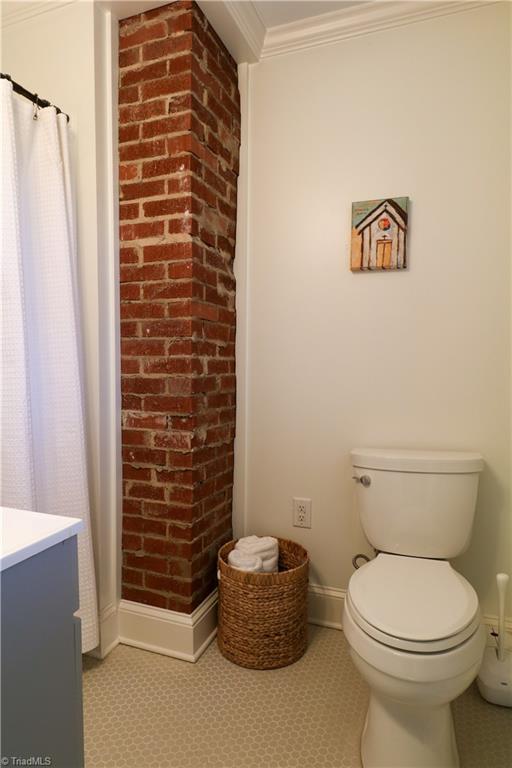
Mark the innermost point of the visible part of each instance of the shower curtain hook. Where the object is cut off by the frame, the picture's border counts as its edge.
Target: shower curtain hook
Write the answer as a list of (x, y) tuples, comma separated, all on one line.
[(36, 108)]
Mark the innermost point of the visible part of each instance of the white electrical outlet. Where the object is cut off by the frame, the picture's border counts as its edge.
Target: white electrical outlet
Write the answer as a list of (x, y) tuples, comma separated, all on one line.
[(301, 513)]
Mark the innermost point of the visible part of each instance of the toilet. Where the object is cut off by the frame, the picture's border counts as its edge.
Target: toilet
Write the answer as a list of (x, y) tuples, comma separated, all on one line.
[(411, 621)]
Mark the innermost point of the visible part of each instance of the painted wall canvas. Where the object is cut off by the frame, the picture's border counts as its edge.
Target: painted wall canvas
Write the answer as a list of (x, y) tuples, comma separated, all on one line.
[(379, 235)]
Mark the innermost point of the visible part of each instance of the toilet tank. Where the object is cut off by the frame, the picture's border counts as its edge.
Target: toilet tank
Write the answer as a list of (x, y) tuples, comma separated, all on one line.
[(419, 503)]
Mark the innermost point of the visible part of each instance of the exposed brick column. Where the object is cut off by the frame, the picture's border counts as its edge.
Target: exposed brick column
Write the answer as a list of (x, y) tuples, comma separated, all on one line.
[(179, 134)]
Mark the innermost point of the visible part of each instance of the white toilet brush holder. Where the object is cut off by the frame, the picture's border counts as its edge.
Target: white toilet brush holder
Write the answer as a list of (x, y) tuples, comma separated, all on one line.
[(495, 676)]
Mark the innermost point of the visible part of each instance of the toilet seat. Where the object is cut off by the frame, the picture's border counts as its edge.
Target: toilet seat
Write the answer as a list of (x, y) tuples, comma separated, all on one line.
[(430, 646), (407, 665), (413, 604)]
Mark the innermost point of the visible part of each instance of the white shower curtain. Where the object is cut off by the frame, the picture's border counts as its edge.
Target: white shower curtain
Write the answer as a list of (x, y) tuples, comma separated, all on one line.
[(43, 460)]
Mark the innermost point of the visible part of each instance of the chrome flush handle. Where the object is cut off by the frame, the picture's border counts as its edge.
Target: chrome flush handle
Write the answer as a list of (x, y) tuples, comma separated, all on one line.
[(365, 480)]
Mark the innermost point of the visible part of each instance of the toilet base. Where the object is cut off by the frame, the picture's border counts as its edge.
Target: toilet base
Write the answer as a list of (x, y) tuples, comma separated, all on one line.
[(398, 735)]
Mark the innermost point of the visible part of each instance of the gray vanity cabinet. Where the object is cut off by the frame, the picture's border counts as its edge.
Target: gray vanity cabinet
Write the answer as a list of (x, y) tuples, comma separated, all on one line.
[(41, 682)]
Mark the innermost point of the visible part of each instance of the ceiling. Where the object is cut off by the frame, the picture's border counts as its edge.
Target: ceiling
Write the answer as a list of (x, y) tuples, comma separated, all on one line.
[(273, 13)]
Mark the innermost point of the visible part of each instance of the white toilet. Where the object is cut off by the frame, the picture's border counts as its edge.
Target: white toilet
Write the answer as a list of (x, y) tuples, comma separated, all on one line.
[(413, 622)]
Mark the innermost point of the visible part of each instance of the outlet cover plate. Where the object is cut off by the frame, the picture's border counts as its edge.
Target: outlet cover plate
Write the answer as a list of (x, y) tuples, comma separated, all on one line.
[(301, 512)]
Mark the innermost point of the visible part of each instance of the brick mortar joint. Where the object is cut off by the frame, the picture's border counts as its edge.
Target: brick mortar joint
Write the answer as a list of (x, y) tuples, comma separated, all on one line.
[(173, 134), (141, 22), (200, 57), (174, 195)]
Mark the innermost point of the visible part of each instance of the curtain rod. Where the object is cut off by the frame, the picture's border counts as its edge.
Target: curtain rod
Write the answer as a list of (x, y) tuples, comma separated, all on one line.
[(33, 97)]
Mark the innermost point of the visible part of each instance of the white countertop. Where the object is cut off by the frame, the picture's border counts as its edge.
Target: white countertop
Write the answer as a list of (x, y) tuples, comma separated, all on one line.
[(24, 534)]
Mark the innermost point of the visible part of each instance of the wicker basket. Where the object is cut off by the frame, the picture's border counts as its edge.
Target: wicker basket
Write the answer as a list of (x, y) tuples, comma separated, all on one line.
[(263, 616)]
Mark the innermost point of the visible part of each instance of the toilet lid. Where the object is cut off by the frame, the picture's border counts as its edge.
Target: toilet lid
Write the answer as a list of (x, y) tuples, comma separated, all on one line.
[(414, 599)]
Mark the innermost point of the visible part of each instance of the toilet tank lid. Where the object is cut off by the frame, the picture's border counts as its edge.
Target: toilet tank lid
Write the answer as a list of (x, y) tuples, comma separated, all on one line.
[(403, 460)]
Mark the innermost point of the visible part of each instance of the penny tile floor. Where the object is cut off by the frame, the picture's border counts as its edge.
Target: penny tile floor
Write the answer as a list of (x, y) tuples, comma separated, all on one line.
[(144, 710)]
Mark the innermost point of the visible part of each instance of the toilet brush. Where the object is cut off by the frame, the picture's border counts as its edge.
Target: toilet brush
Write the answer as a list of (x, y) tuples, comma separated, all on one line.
[(495, 676), (501, 581)]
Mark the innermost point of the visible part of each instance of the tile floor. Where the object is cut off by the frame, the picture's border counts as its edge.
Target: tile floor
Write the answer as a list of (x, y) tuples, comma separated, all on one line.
[(143, 710)]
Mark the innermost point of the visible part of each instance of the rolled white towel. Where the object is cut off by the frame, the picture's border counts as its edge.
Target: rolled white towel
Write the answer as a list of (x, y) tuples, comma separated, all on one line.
[(264, 546), (270, 564), (247, 541), (244, 561)]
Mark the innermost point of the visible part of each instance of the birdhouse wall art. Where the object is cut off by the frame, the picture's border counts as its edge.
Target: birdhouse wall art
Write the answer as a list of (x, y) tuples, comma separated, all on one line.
[(379, 235)]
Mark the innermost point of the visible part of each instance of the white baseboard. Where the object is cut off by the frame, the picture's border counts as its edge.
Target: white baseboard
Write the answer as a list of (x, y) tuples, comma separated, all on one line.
[(325, 606), (109, 632), (180, 635), (187, 636), (492, 621)]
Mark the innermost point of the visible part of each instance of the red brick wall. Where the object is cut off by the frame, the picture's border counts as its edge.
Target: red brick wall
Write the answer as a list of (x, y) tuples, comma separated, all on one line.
[(179, 133)]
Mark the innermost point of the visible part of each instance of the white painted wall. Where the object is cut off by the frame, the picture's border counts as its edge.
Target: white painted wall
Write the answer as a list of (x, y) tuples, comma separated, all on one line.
[(418, 358), (62, 51)]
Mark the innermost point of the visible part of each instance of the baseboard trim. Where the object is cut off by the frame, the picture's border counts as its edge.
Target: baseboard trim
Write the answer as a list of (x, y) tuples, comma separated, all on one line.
[(182, 636), (109, 632), (492, 621), (325, 606), (187, 637)]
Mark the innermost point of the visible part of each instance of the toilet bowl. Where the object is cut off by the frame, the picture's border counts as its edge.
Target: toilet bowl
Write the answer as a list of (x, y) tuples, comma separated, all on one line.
[(412, 680), (411, 621)]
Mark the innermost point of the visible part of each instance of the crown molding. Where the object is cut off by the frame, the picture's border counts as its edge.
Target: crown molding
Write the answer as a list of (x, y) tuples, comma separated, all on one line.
[(250, 24), (354, 21), (239, 27), (16, 12)]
